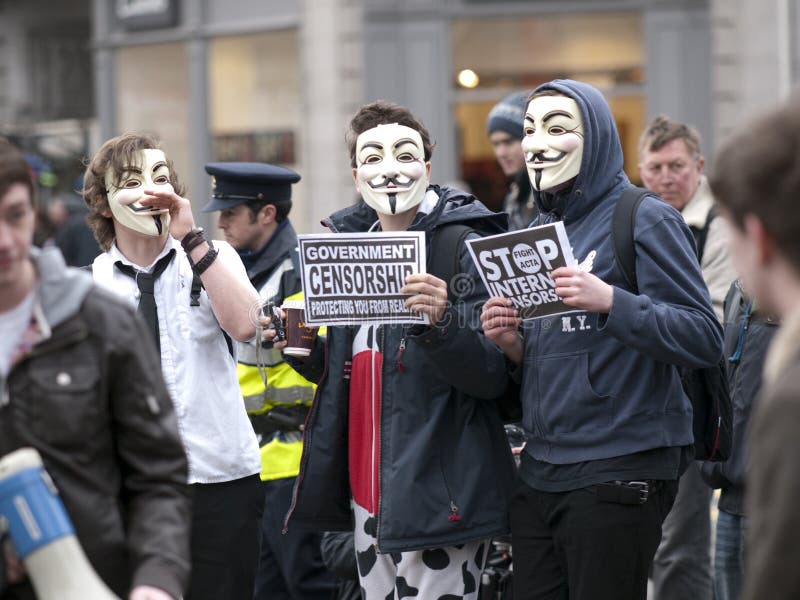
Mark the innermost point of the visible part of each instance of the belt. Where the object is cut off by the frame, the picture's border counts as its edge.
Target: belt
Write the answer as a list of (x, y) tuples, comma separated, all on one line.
[(626, 492)]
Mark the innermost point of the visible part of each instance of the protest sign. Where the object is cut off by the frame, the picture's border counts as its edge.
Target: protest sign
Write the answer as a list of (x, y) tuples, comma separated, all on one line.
[(517, 266), (356, 278)]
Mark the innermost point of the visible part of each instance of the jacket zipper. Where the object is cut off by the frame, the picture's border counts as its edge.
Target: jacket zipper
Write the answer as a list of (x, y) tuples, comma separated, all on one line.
[(381, 342), (400, 367), (306, 441), (542, 219)]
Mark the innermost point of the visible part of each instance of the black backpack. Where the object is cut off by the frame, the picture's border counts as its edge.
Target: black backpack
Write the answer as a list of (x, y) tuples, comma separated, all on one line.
[(707, 388), (445, 263)]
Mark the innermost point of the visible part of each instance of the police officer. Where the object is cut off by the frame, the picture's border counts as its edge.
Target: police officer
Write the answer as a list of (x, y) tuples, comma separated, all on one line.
[(254, 200)]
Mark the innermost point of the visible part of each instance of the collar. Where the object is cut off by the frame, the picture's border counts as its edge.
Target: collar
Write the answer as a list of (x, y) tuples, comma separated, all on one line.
[(115, 254), (250, 258), (695, 213), (424, 208)]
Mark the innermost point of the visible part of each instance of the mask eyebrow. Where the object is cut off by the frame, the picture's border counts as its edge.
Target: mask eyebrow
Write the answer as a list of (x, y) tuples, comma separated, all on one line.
[(159, 165), (130, 169), (405, 141), (375, 145), (556, 113)]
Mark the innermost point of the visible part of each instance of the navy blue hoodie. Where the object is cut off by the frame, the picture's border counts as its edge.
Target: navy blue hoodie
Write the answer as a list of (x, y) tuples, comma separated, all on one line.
[(600, 386)]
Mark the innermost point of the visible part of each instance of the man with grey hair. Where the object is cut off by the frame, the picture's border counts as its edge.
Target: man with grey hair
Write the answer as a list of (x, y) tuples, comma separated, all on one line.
[(671, 165)]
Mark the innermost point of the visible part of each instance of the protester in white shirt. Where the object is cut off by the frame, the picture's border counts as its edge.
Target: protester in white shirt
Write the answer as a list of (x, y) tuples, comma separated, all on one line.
[(201, 296)]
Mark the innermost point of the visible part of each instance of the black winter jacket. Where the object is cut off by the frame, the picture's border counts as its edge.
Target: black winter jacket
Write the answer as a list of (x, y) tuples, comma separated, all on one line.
[(90, 398), (751, 333), (443, 448)]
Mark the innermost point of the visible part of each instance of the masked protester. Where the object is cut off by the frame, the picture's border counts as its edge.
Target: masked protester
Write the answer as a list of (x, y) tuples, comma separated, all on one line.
[(608, 426), (195, 296), (415, 447), (81, 384)]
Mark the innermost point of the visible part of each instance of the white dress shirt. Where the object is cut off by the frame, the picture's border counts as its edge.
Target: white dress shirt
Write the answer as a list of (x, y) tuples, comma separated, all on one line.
[(198, 368)]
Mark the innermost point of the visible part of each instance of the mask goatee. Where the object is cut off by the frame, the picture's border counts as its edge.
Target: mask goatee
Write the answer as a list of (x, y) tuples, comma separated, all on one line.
[(393, 203)]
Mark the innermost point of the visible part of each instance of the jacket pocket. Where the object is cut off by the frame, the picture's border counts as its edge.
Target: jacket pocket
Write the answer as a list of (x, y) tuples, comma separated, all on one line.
[(567, 400), (64, 407)]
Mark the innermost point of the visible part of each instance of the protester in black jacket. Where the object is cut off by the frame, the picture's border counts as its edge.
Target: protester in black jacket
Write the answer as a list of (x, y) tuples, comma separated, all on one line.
[(417, 443), (748, 334)]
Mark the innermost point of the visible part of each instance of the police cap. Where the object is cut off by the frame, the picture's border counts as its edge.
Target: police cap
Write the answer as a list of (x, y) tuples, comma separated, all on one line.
[(234, 183)]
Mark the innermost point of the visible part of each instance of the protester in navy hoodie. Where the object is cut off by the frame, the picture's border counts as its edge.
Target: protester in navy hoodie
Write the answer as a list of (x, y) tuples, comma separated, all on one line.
[(609, 427)]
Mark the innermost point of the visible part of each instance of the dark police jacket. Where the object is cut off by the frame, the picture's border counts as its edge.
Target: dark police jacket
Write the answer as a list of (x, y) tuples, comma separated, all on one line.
[(443, 450)]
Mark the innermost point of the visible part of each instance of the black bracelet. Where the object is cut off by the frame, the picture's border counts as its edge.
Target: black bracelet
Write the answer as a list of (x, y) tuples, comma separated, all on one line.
[(193, 239), (201, 265)]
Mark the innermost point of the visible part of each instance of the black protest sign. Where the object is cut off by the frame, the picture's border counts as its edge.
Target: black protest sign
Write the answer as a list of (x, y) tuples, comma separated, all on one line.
[(357, 277), (517, 266)]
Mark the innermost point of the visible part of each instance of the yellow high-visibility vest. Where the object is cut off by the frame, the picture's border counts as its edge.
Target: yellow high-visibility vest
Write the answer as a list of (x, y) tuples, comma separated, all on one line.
[(280, 454)]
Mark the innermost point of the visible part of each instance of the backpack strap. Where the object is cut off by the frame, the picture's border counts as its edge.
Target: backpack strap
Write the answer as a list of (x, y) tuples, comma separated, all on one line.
[(623, 222), (445, 254), (194, 300)]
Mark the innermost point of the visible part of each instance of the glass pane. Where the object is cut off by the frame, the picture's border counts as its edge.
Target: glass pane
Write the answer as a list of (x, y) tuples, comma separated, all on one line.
[(518, 53)]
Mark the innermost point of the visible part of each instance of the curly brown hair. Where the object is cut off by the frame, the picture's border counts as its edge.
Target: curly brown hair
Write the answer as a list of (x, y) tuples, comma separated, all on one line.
[(382, 112), (114, 155)]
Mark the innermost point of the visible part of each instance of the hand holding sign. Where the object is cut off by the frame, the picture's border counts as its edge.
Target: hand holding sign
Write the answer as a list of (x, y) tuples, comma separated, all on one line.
[(583, 290), (430, 295), (364, 278), (500, 322), (518, 266)]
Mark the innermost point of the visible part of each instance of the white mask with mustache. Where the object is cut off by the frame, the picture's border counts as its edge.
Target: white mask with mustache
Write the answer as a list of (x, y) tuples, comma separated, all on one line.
[(391, 173), (553, 142), (150, 172)]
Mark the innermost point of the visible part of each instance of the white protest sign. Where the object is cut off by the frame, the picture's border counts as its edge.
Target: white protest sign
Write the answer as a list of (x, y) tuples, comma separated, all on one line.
[(517, 266), (357, 277)]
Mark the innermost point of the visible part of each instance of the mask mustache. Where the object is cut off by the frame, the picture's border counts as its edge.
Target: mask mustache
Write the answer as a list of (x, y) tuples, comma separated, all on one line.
[(390, 180), (139, 209), (540, 157)]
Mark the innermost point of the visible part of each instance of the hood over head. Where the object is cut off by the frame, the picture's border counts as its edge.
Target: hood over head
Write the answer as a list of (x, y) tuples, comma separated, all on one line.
[(61, 289), (601, 164)]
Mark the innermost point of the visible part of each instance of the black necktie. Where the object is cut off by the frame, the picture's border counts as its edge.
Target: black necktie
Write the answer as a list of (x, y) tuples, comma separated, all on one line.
[(146, 283)]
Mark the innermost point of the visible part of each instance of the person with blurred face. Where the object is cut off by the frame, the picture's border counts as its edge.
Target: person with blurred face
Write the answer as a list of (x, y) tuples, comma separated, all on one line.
[(394, 400), (504, 127), (756, 180), (195, 297), (81, 385), (253, 201), (671, 166), (608, 427)]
